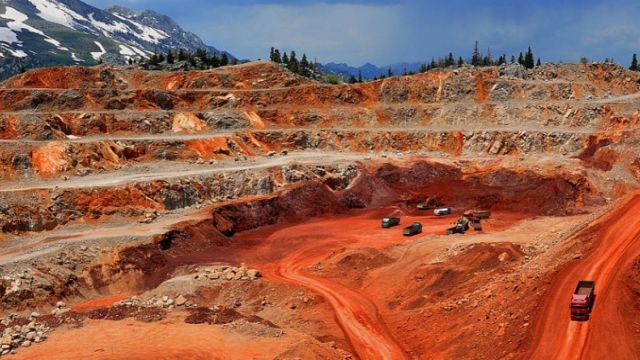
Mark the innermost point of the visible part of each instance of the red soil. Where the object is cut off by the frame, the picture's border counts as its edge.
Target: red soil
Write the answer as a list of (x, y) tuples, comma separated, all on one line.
[(286, 254), (609, 330), (168, 339), (99, 303)]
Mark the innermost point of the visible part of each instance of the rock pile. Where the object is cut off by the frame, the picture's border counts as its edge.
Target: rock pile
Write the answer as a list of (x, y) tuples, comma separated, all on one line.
[(165, 302), (16, 336), (60, 309), (228, 273)]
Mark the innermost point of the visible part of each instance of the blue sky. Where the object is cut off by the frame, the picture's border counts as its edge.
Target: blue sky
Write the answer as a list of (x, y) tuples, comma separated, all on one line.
[(384, 32)]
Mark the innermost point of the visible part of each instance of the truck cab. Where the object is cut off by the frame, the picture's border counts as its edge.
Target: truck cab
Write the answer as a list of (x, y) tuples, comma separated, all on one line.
[(390, 222), (442, 211)]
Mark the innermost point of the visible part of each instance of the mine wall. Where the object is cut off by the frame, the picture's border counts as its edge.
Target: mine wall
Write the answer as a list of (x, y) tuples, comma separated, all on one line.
[(257, 200)]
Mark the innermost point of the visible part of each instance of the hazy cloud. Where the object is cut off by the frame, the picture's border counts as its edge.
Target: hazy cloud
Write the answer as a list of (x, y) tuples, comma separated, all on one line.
[(382, 32)]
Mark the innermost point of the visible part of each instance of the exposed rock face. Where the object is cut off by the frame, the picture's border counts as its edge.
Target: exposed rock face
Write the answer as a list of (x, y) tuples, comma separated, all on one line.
[(117, 178), (90, 122)]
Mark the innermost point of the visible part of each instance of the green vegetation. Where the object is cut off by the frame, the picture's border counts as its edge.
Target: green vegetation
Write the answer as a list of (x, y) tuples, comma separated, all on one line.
[(478, 59), (301, 67), (332, 79), (200, 59)]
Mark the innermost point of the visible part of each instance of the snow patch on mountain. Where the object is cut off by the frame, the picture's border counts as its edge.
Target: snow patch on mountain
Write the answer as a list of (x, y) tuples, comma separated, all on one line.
[(146, 33), (63, 32), (107, 29), (12, 52), (18, 25), (57, 13), (98, 54), (18, 18), (8, 36)]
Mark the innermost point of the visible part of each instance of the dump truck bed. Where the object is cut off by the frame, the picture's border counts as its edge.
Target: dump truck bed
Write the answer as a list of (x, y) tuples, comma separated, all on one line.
[(585, 288), (584, 291)]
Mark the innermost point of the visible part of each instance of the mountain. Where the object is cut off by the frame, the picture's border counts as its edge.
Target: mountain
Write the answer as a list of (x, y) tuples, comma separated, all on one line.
[(368, 70), (37, 33)]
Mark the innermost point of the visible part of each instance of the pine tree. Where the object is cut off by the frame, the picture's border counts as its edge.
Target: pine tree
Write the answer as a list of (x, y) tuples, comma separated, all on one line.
[(352, 79), (272, 54), (181, 55), (276, 57), (634, 63), (460, 61), (528, 59), (170, 58), (489, 58), (476, 58), (130, 61), (513, 59), (202, 55), (521, 59), (154, 60), (304, 66), (294, 65), (538, 63), (214, 61), (450, 60), (224, 60), (389, 72), (359, 76), (423, 68)]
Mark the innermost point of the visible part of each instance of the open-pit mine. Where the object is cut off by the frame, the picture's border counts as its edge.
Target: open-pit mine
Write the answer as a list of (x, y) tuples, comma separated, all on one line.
[(236, 214)]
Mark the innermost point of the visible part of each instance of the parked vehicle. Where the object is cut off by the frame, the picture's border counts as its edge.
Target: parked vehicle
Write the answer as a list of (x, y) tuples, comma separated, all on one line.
[(390, 222), (582, 300), (474, 219), (461, 226), (482, 214), (413, 229), (442, 211)]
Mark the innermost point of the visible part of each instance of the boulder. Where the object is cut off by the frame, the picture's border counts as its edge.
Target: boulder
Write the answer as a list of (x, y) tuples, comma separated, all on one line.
[(181, 300), (253, 274)]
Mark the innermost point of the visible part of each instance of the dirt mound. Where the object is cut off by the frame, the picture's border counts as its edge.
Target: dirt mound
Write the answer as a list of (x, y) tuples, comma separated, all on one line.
[(119, 312), (453, 277), (221, 316)]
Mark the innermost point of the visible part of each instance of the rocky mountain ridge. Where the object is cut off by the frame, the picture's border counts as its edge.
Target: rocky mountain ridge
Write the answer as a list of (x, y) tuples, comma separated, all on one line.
[(36, 33)]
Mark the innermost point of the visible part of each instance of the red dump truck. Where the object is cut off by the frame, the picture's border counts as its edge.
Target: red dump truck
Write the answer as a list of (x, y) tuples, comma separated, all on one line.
[(582, 300)]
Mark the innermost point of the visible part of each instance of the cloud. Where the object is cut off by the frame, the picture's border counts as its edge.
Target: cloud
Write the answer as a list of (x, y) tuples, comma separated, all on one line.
[(351, 32), (382, 32)]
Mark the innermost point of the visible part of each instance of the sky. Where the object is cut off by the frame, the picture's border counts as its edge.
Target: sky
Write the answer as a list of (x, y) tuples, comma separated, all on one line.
[(385, 32)]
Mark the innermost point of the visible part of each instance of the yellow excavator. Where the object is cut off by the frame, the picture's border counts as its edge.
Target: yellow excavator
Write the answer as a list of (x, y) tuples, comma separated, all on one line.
[(431, 203), (468, 219)]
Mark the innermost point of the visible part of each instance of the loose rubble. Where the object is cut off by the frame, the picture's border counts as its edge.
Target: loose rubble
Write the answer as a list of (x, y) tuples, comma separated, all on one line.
[(16, 336), (227, 273)]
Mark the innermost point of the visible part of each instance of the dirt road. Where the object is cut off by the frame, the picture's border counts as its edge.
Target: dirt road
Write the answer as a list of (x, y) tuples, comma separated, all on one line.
[(290, 253), (607, 334), (356, 315), (177, 170)]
